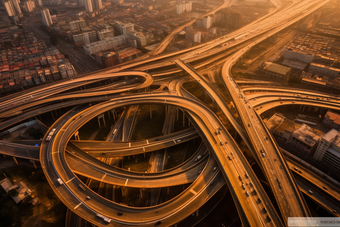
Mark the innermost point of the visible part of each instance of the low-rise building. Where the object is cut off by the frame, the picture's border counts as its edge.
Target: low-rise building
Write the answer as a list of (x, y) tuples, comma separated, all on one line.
[(85, 37), (299, 56), (275, 70), (123, 28), (305, 139), (139, 37), (106, 44), (332, 120), (321, 69), (77, 25), (280, 126)]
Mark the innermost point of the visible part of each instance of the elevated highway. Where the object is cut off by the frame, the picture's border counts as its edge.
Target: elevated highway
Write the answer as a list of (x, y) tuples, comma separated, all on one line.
[(184, 105), (53, 157)]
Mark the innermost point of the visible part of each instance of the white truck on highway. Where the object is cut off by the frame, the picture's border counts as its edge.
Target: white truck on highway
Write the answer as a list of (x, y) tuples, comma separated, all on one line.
[(60, 181), (106, 219)]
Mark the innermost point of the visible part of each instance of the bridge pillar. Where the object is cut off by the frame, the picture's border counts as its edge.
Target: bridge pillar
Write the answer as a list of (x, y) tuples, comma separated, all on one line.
[(101, 117), (168, 190), (124, 191), (316, 109), (52, 116), (15, 160), (33, 162), (113, 114), (304, 107), (176, 113), (141, 192), (197, 213), (183, 118), (150, 112), (76, 135)]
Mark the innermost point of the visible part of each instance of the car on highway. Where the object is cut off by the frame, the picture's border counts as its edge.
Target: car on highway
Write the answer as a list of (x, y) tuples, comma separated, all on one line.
[(221, 143), (214, 169), (88, 197), (60, 181), (310, 191)]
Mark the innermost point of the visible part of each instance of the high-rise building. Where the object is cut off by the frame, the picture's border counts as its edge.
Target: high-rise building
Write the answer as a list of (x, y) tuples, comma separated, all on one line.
[(46, 16), (88, 6), (207, 22), (17, 7), (234, 19), (12, 8), (184, 7), (29, 5), (328, 150), (80, 2), (9, 7), (98, 4), (38, 3), (194, 36)]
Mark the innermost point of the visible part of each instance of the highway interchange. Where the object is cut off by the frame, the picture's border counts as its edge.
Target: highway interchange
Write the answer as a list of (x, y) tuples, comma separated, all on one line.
[(221, 160)]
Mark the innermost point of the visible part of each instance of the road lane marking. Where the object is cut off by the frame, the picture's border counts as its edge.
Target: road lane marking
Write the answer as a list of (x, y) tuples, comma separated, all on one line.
[(77, 206), (126, 182), (69, 180), (193, 192), (103, 177)]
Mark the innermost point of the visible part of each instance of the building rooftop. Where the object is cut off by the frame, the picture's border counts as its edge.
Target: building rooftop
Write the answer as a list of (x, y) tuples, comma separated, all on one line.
[(274, 121), (294, 64), (331, 135), (280, 123), (306, 135), (333, 116), (276, 68)]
